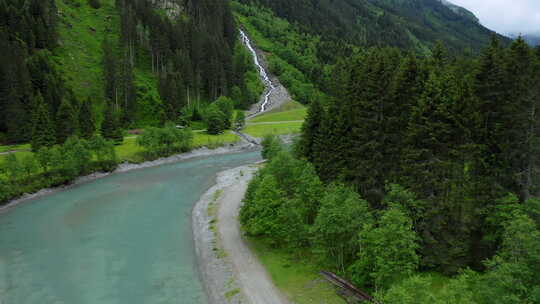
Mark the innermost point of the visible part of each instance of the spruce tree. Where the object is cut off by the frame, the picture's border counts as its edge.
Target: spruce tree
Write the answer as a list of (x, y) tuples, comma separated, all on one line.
[(520, 135), (87, 122), (43, 133), (311, 130), (66, 121), (110, 127)]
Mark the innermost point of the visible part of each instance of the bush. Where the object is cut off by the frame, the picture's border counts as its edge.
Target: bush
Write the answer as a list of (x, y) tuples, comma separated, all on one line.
[(271, 147), (215, 120), (165, 141), (240, 120)]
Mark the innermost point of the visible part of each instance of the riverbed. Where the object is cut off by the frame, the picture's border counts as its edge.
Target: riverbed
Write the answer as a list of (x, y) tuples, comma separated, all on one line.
[(125, 238)]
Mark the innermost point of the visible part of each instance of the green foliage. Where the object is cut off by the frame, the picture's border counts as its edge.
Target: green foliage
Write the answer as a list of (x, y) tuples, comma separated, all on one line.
[(226, 106), (66, 121), (271, 145), (387, 251), (165, 141), (438, 126), (28, 165), (299, 191), (110, 128), (310, 137), (54, 166), (45, 158), (43, 133), (87, 123), (413, 290), (291, 53), (216, 120), (511, 277), (103, 149), (335, 231), (262, 218), (12, 167), (408, 24), (240, 120), (76, 156)]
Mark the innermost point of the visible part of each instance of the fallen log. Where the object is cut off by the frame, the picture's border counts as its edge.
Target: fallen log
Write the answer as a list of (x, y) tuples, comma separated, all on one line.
[(348, 288)]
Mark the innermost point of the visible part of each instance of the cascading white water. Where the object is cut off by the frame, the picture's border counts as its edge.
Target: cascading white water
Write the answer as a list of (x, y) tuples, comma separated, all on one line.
[(262, 72)]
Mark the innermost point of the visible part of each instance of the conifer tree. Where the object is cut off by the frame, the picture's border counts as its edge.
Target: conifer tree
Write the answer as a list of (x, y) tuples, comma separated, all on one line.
[(110, 127), (66, 121), (311, 130), (87, 122), (43, 133)]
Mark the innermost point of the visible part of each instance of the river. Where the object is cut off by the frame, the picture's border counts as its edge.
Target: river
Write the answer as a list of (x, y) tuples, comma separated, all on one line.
[(125, 238)]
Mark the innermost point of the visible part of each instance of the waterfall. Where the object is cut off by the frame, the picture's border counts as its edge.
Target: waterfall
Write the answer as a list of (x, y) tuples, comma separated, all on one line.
[(262, 72)]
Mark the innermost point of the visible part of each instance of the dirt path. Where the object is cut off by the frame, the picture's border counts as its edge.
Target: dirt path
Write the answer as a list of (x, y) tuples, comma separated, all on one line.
[(14, 151), (254, 281)]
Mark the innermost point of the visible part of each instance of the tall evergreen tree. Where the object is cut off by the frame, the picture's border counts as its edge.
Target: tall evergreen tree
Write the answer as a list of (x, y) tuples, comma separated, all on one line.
[(43, 132), (66, 121), (311, 130), (110, 127), (87, 123)]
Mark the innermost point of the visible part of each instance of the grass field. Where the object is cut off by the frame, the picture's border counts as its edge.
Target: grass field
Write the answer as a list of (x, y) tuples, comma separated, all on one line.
[(214, 141), (292, 115), (296, 278), (130, 151), (275, 129)]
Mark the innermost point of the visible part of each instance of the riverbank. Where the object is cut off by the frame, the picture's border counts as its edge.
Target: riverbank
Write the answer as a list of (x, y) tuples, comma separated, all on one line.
[(126, 166), (230, 272)]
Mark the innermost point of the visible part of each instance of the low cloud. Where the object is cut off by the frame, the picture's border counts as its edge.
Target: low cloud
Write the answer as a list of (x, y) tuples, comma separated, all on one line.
[(506, 16)]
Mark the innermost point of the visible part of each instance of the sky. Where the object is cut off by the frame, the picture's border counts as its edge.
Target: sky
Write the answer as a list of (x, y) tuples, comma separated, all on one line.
[(506, 16)]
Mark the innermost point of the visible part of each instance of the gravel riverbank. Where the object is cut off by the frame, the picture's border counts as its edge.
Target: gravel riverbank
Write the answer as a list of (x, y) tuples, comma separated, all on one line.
[(230, 272)]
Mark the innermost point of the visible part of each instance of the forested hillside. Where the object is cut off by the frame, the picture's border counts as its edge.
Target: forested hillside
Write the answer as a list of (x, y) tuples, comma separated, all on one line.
[(417, 179), (69, 65), (411, 24)]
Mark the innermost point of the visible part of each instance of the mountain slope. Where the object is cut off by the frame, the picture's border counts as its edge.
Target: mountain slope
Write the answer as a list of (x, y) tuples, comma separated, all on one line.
[(410, 24), (460, 10)]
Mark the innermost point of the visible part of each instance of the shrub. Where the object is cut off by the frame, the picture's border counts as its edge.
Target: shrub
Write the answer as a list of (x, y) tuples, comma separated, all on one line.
[(271, 147), (216, 120), (165, 141)]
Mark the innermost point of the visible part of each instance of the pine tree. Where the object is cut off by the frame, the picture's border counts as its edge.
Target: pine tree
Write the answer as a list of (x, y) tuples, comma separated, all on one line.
[(520, 140), (43, 133), (87, 122), (311, 130), (110, 127), (66, 121)]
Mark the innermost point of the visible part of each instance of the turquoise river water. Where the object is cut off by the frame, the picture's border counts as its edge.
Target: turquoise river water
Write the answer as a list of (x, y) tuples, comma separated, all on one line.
[(125, 238)]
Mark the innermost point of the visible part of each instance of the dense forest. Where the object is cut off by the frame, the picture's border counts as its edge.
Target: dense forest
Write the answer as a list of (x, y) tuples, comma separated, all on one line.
[(191, 48), (415, 25), (415, 165)]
